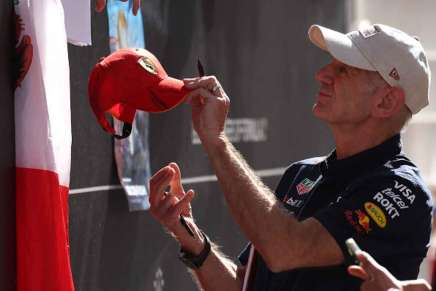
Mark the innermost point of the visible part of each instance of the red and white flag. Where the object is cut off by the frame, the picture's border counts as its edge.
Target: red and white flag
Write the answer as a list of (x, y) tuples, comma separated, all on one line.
[(43, 147)]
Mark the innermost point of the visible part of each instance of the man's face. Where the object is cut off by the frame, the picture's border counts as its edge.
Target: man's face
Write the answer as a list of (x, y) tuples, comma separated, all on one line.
[(345, 94)]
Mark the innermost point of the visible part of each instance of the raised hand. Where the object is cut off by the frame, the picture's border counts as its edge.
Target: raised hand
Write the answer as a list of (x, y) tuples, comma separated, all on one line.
[(210, 105), (377, 278), (167, 206)]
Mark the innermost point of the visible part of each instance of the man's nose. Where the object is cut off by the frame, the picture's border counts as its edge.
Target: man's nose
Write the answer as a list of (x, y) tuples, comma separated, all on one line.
[(325, 75)]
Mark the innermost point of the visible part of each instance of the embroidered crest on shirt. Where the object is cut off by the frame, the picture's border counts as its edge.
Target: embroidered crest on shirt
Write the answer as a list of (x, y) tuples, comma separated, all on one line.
[(294, 202), (305, 186)]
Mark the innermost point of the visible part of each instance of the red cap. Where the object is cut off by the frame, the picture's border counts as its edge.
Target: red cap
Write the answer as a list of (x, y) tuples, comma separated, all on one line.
[(131, 79)]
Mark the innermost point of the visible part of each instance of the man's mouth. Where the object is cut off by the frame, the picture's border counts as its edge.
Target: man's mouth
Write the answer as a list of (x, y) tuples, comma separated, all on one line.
[(324, 94)]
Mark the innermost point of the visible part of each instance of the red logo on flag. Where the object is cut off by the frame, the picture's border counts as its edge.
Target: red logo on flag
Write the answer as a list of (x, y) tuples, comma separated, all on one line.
[(23, 51)]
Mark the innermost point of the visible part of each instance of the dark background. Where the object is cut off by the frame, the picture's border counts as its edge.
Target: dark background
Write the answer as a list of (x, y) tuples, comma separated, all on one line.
[(259, 51)]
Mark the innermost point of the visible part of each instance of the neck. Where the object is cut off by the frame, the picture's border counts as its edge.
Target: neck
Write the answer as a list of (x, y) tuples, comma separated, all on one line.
[(351, 142)]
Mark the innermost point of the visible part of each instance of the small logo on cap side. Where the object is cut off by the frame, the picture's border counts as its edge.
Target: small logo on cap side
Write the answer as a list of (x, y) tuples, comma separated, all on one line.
[(148, 65), (394, 74), (369, 31)]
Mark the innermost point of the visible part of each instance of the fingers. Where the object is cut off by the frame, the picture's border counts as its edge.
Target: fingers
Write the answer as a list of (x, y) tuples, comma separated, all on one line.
[(99, 5), (182, 205), (416, 285), (357, 271), (158, 183), (209, 83), (168, 210), (364, 270), (199, 97), (188, 210), (166, 207), (176, 182), (163, 206), (367, 262)]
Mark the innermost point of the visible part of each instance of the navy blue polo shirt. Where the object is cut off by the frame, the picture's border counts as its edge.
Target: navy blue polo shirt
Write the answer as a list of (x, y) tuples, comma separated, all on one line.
[(377, 197)]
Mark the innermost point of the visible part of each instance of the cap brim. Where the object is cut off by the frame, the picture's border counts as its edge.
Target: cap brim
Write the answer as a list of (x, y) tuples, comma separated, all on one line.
[(340, 46), (169, 93)]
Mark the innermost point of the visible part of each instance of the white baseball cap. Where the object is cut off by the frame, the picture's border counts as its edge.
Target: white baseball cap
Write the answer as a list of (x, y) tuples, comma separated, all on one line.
[(398, 57)]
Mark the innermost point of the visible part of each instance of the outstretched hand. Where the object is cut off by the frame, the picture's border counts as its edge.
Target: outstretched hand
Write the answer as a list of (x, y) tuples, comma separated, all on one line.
[(377, 278), (101, 4)]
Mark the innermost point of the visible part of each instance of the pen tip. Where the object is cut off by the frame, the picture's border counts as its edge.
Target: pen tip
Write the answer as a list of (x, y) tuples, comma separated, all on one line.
[(200, 68)]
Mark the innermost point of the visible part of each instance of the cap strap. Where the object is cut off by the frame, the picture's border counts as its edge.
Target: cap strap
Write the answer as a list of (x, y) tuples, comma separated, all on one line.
[(127, 129)]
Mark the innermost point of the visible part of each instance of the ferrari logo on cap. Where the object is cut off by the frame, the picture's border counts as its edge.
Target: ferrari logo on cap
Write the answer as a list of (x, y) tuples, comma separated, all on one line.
[(394, 74), (147, 64)]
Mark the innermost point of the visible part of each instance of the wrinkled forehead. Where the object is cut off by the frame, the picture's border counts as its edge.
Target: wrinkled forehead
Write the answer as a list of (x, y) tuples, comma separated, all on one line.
[(374, 76)]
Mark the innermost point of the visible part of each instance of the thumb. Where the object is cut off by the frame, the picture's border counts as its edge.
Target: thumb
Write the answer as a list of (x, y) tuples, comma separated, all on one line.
[(176, 182), (357, 271), (188, 209), (367, 262), (183, 205), (199, 96), (416, 285)]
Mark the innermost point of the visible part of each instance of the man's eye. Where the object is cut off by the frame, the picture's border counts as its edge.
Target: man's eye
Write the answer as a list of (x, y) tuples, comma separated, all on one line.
[(342, 70)]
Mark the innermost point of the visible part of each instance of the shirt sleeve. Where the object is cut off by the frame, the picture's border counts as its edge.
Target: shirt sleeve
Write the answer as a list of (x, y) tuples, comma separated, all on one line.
[(387, 216), (286, 181)]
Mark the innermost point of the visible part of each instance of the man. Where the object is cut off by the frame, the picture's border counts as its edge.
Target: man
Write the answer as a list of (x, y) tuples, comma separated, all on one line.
[(366, 188)]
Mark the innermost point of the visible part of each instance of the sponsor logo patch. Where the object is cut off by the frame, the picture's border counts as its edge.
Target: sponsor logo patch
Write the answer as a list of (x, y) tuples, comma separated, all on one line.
[(148, 65), (376, 214), (352, 222), (405, 191), (363, 220), (395, 199), (305, 186), (294, 202)]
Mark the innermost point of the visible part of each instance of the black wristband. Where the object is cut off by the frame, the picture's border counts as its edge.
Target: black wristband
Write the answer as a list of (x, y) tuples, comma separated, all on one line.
[(196, 261)]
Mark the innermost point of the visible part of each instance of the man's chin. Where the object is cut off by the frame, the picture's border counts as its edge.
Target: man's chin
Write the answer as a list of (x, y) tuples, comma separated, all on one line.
[(319, 112)]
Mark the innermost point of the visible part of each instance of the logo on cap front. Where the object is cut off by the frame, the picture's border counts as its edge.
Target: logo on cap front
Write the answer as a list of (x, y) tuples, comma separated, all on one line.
[(369, 31), (394, 74), (148, 65)]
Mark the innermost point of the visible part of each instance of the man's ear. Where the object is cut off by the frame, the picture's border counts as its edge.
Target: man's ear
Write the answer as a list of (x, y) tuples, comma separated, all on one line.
[(388, 101)]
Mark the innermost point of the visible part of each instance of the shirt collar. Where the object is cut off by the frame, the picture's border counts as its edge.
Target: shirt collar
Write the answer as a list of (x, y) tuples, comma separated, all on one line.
[(363, 161)]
